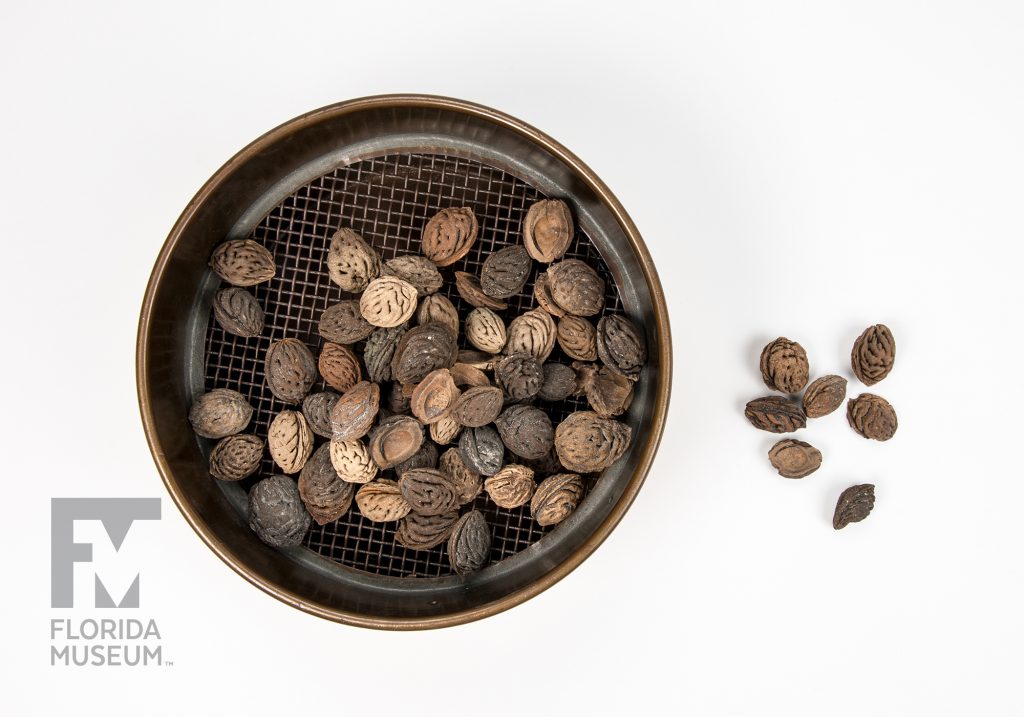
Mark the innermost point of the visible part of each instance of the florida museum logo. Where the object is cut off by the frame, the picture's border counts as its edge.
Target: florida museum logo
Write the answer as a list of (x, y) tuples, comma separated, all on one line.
[(93, 639)]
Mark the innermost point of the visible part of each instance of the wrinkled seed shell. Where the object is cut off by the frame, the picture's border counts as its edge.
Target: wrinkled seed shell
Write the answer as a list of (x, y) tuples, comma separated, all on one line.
[(468, 482), (587, 443), (449, 235), (380, 350), (556, 498), (316, 407), (236, 457), (429, 491), (578, 338), (520, 376), (872, 417), (326, 496), (824, 395), (511, 487), (485, 330), (352, 461), (445, 431), (608, 392), (559, 382), (504, 272), (219, 413), (775, 414), (425, 532), (276, 512), (290, 370), (874, 354), (238, 312), (290, 441), (542, 295), (526, 431), (621, 345), (784, 366), (482, 449), (576, 287), (533, 333), (478, 406), (243, 262), (416, 270), (440, 310), (388, 302), (353, 413), (342, 323), (381, 501), (469, 546), (340, 367), (351, 263), (854, 505), (421, 350)]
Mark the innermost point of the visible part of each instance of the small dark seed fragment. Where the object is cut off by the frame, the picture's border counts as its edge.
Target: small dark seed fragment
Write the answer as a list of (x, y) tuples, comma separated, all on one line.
[(854, 505)]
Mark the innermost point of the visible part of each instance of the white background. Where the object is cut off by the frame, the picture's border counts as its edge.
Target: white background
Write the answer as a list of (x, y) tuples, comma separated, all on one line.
[(797, 169)]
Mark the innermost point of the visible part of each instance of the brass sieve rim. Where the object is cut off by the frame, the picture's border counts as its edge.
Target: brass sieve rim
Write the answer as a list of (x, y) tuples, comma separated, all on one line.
[(644, 449)]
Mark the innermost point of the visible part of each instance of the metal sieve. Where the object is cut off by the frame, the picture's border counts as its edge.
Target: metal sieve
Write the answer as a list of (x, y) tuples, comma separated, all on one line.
[(382, 166)]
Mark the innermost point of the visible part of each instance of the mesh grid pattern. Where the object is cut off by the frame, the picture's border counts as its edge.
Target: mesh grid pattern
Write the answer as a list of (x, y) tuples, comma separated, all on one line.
[(388, 200)]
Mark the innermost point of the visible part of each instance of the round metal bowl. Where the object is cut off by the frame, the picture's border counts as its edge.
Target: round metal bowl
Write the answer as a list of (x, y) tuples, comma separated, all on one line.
[(381, 164)]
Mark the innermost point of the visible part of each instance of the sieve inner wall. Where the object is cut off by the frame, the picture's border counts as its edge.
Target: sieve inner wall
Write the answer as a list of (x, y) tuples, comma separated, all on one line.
[(387, 200)]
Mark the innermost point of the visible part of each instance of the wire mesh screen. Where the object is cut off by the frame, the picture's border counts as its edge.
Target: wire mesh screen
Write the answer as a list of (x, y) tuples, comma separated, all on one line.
[(388, 200)]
